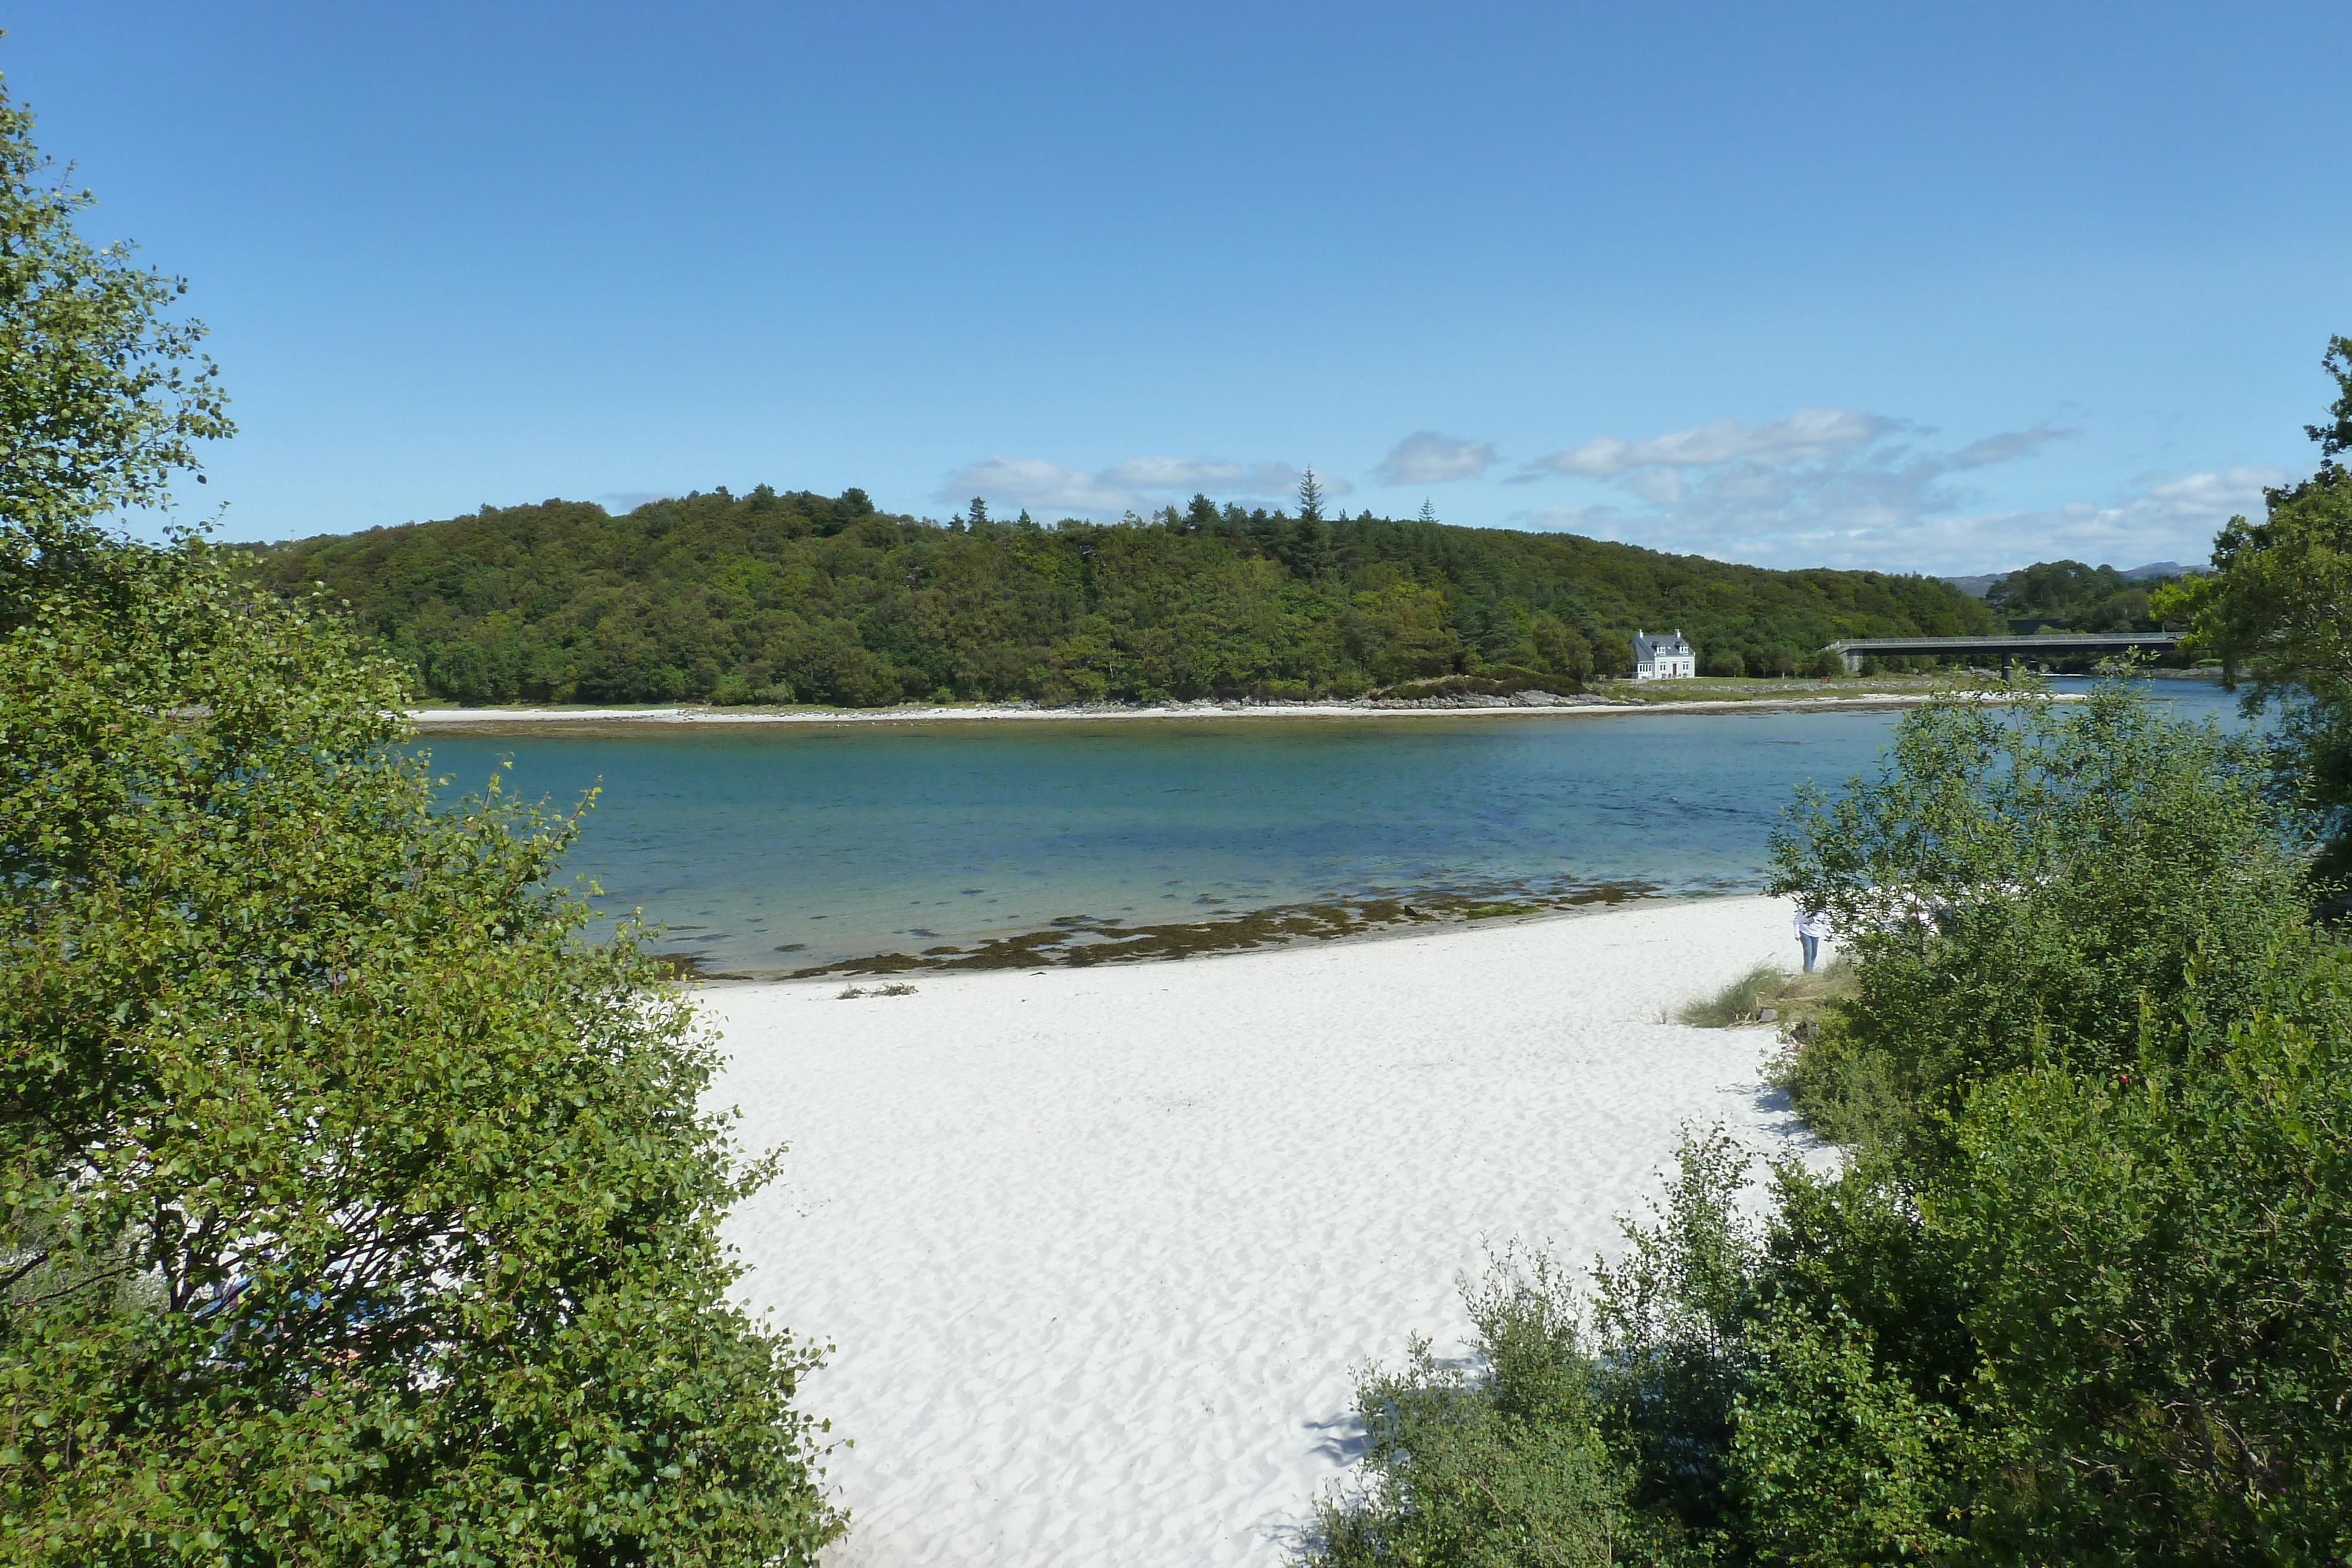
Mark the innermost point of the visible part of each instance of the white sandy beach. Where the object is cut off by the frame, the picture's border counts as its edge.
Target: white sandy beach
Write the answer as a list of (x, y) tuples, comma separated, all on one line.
[(1101, 1248)]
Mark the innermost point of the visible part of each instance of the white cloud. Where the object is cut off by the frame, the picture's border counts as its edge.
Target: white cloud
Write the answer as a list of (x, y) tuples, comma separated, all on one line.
[(1906, 519), (1177, 474), (1834, 487), (1663, 487), (1034, 485), (1210, 476), (1137, 485), (1425, 457), (1809, 435), (1822, 488), (2211, 498), (2174, 521)]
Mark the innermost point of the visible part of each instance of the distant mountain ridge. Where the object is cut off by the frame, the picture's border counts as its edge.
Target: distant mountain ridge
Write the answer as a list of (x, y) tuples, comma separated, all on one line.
[(2070, 595), (1974, 587)]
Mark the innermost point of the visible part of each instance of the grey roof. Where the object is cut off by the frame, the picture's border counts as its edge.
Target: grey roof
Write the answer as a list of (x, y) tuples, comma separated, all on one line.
[(1668, 644)]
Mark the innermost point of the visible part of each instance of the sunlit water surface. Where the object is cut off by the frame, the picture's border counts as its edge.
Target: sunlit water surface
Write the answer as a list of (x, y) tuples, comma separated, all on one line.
[(763, 851)]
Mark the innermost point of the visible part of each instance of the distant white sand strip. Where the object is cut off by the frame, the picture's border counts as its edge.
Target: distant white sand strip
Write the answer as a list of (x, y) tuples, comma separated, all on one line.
[(468, 717), (1102, 1249)]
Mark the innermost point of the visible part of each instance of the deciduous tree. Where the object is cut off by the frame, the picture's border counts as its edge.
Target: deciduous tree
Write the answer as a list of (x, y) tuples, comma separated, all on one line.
[(352, 1210), (103, 394), (2278, 613)]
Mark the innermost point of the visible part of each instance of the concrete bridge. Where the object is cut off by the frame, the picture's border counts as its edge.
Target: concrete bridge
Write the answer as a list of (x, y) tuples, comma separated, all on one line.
[(2038, 645)]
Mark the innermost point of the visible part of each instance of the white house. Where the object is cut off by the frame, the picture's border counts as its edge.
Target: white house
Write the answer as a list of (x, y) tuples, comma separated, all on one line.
[(1663, 658)]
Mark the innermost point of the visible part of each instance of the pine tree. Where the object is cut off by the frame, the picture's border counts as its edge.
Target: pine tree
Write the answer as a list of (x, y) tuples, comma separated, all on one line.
[(1310, 498)]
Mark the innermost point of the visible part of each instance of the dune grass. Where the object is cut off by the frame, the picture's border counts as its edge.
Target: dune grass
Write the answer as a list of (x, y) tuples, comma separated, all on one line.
[(1770, 994)]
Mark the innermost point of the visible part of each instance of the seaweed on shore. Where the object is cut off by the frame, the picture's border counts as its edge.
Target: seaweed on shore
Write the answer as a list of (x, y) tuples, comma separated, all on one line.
[(1076, 941)]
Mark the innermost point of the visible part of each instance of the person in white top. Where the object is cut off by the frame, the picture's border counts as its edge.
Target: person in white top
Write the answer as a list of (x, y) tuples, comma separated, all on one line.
[(1813, 924)]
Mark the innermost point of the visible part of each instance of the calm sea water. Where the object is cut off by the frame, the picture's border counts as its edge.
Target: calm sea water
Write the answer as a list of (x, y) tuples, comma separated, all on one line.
[(763, 851)]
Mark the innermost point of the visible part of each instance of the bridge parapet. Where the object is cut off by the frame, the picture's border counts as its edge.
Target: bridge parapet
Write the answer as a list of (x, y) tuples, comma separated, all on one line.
[(2039, 645)]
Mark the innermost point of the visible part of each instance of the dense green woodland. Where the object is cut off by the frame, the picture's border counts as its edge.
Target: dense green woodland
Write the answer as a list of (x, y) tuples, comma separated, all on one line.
[(803, 597)]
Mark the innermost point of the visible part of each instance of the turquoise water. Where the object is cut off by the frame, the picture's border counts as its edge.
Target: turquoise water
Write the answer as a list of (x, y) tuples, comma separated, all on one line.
[(764, 850)]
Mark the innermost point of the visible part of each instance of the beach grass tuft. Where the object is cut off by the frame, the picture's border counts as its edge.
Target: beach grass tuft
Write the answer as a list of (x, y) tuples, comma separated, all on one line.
[(1770, 994), (895, 989)]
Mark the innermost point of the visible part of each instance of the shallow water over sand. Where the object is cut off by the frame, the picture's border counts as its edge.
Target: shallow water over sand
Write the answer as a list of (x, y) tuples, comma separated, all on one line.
[(765, 852)]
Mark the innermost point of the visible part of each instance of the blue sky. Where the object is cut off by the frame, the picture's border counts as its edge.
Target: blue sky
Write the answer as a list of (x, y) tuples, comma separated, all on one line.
[(1920, 289)]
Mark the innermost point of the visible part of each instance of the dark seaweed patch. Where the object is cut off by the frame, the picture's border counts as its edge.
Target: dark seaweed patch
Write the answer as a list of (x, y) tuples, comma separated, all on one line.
[(1074, 941)]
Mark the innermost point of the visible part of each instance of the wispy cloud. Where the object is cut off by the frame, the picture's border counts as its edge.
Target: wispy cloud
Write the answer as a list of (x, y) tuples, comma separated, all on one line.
[(1425, 457), (1820, 488), (2172, 520), (1137, 485), (1035, 485), (1892, 505), (2005, 447), (1208, 475), (1808, 436), (1843, 487)]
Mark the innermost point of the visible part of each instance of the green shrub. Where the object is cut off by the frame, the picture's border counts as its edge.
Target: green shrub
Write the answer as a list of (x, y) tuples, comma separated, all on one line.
[(2048, 883), (1504, 1467), (2082, 1290), (2160, 1268), (1834, 1459), (1845, 1089)]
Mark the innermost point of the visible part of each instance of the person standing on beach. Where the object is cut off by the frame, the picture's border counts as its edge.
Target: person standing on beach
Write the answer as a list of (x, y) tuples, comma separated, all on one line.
[(1813, 924)]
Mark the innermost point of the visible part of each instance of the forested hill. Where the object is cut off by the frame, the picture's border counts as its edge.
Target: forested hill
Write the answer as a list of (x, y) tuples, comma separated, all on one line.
[(805, 598)]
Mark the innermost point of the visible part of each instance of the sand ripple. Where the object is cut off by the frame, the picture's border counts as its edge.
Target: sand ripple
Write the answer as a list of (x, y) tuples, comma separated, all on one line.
[(1101, 1248)]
